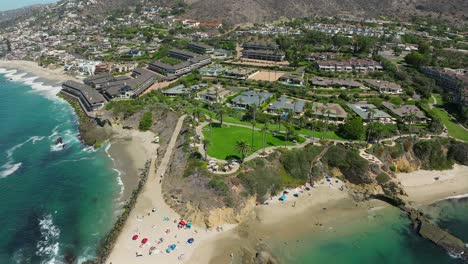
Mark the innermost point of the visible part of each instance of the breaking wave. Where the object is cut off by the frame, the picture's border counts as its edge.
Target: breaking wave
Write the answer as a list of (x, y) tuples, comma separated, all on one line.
[(48, 91), (48, 246), (11, 166)]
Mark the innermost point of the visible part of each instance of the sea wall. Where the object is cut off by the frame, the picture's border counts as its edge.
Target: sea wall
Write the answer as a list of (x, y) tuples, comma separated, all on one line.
[(110, 239)]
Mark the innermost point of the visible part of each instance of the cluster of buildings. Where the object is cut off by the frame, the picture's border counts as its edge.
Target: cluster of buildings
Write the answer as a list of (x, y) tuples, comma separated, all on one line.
[(358, 65), (188, 62), (98, 89), (262, 51)]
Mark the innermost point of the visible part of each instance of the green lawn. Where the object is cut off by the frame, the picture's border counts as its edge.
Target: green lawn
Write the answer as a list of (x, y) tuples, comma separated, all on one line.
[(320, 135), (224, 140), (455, 130)]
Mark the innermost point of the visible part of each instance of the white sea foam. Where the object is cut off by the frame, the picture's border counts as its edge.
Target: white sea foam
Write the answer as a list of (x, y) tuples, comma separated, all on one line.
[(49, 91), (89, 149), (68, 137), (48, 246), (461, 196), (11, 166)]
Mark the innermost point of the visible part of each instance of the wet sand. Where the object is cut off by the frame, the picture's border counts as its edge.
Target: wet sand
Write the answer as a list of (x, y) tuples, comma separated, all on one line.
[(45, 75)]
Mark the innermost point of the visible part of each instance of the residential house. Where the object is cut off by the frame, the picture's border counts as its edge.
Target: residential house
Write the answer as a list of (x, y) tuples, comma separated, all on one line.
[(249, 98), (293, 78), (286, 104), (215, 94), (213, 70), (329, 111), (409, 113), (384, 86), (330, 82), (240, 73), (359, 65), (370, 113)]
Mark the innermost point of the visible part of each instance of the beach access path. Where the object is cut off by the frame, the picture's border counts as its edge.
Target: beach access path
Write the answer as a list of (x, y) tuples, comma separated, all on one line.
[(153, 219)]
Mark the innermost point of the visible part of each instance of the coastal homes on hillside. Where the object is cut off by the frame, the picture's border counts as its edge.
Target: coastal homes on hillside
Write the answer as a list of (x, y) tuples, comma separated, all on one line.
[(370, 113), (250, 98), (326, 82), (329, 111), (286, 104), (410, 113), (90, 99), (384, 86)]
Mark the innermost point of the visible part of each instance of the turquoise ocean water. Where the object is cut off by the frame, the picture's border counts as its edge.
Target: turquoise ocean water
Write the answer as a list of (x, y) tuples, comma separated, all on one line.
[(383, 236), (10, 4), (56, 202)]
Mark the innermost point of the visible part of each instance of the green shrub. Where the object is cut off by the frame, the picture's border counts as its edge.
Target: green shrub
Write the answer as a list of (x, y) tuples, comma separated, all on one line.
[(350, 163), (431, 154), (297, 162), (146, 121), (382, 178)]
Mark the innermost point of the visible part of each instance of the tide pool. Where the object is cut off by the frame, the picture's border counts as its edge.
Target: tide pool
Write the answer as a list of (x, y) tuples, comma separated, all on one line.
[(56, 201)]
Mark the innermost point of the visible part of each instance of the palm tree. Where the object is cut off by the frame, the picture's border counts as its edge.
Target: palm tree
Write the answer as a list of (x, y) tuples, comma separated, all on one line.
[(210, 120), (243, 148), (370, 116), (220, 112), (253, 131), (264, 130), (206, 142)]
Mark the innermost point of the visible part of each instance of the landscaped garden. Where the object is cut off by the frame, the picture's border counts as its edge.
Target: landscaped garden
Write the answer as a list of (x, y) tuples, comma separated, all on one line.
[(223, 140)]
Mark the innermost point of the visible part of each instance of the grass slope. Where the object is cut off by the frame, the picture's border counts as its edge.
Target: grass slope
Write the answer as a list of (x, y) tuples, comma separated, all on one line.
[(223, 144)]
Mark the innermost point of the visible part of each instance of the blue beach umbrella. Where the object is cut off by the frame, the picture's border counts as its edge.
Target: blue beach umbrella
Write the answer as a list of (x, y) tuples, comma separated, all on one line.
[(190, 240)]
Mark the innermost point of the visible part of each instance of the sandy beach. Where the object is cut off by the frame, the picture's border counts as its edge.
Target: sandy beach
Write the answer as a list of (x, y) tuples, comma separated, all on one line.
[(423, 188), (46, 75), (154, 220)]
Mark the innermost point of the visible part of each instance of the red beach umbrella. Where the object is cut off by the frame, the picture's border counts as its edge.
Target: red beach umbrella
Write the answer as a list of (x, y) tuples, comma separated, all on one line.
[(182, 223), (144, 240), (135, 237)]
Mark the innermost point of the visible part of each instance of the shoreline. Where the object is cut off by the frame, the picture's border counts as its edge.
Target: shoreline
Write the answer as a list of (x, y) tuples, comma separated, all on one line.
[(423, 188), (46, 76), (269, 219)]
